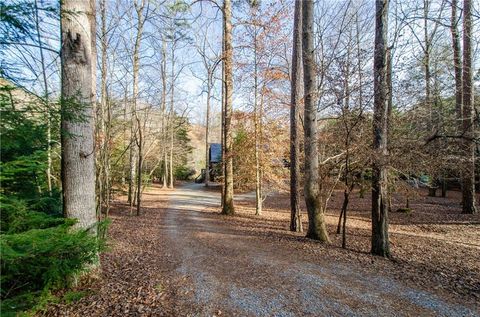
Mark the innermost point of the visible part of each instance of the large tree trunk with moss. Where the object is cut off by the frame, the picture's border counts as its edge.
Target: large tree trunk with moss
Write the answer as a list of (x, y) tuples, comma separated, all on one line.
[(468, 172), (380, 243), (316, 218), (78, 98), (228, 207), (295, 100)]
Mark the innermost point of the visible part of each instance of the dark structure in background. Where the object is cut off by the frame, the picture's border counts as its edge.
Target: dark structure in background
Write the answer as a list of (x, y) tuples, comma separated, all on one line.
[(215, 163)]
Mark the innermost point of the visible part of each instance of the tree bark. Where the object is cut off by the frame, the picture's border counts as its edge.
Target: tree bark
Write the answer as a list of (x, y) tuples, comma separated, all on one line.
[(468, 173), (256, 119), (104, 153), (172, 114), (316, 219), (46, 100), (223, 118), (432, 190), (457, 63), (170, 159), (133, 168), (136, 124), (207, 125), (164, 112), (228, 206), (295, 101), (380, 243), (78, 99), (426, 64), (140, 165)]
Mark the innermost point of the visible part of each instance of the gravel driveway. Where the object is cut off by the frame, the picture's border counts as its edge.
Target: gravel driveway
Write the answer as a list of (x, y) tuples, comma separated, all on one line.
[(222, 270)]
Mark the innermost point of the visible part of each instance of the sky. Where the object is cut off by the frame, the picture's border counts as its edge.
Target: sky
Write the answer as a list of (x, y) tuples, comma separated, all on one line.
[(189, 85)]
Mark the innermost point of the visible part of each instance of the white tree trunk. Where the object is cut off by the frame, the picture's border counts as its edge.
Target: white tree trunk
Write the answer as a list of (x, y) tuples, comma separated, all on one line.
[(78, 98)]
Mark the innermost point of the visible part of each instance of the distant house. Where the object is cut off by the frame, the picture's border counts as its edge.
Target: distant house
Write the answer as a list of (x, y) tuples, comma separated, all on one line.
[(215, 153), (215, 160), (215, 163)]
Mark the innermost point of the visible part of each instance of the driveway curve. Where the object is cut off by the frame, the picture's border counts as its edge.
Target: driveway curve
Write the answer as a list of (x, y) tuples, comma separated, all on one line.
[(222, 270)]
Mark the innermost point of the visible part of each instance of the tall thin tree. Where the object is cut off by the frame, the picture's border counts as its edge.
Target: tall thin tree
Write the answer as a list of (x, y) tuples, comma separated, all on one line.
[(228, 207), (380, 243), (104, 120), (46, 98), (136, 152), (295, 100), (468, 172), (257, 118), (316, 218), (457, 63)]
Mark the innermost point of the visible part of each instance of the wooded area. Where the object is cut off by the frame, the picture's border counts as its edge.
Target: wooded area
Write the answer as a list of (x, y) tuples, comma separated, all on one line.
[(111, 108)]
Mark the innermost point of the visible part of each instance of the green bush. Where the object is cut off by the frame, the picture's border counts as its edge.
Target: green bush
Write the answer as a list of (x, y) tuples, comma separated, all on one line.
[(40, 250), (39, 260), (38, 253), (184, 172), (16, 217)]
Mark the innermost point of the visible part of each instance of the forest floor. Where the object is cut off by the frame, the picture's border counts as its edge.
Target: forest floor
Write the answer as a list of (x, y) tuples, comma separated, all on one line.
[(182, 258)]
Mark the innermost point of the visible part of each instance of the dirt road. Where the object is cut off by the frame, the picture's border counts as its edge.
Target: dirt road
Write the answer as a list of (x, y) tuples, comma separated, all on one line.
[(181, 258), (223, 270)]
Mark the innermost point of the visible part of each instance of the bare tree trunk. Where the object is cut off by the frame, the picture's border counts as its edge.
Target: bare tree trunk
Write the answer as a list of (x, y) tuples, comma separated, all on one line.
[(228, 207), (78, 99), (207, 125), (223, 117), (165, 167), (104, 155), (426, 64), (295, 101), (468, 173), (457, 62), (348, 130), (140, 165), (380, 243), (343, 212), (256, 119), (136, 153), (170, 184), (132, 170), (389, 59), (428, 99), (172, 115), (47, 102), (164, 114), (125, 145), (316, 219)]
